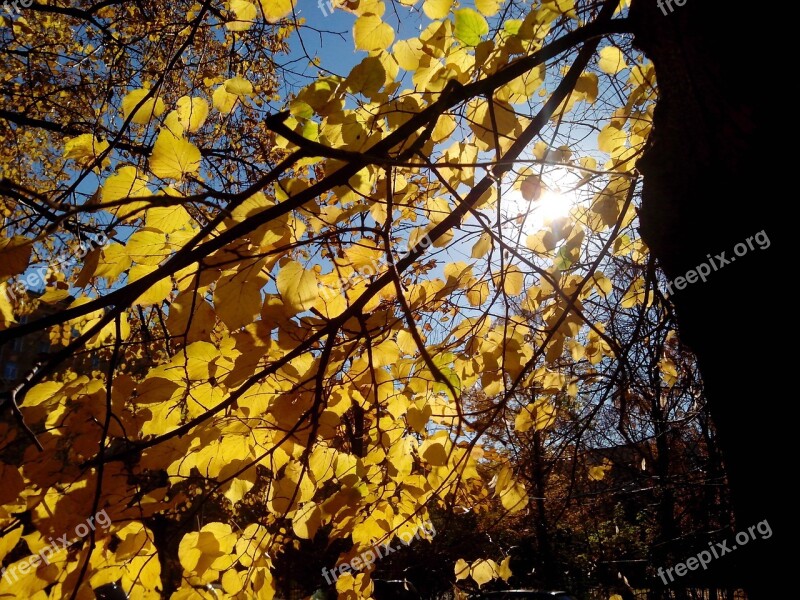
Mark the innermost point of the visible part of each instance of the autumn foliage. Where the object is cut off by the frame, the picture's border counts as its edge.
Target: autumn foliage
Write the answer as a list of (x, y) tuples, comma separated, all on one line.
[(328, 305)]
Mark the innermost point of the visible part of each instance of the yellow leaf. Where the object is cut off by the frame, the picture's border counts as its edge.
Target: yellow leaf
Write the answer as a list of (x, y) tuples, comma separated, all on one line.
[(565, 7), (114, 259), (84, 148), (598, 472), (434, 452), (208, 548), (238, 86), (245, 12), (152, 107), (612, 60), (503, 569), (487, 7), (385, 353), (237, 489), (127, 182), (604, 284), (482, 246), (173, 157), (408, 54), (406, 343), (470, 27), (15, 254), (223, 101), (477, 292), (237, 297), (587, 87), (365, 7), (321, 461), (461, 569), (275, 10), (365, 255), (531, 188), (513, 281), (172, 123), (286, 493), (540, 415), (610, 138), (437, 9), (167, 218), (371, 33), (367, 77), (9, 541), (6, 308), (232, 582), (635, 294), (192, 112), (298, 287), (483, 571), (514, 498), (156, 293), (307, 521), (147, 247), (669, 371)]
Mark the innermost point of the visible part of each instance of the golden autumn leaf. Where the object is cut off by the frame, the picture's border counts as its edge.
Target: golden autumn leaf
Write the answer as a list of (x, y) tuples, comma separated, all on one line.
[(238, 86), (223, 100), (152, 106), (84, 148), (482, 246), (245, 12), (598, 472), (275, 10), (15, 254), (307, 520), (612, 60), (371, 33), (483, 571), (437, 9), (461, 569), (174, 157), (192, 111), (298, 287)]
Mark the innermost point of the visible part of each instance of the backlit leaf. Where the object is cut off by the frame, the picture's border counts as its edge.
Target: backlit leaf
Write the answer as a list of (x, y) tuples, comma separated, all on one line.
[(470, 27), (371, 33), (298, 287), (174, 157)]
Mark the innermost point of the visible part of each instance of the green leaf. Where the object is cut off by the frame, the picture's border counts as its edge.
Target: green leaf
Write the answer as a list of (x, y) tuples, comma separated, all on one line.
[(470, 27), (512, 26)]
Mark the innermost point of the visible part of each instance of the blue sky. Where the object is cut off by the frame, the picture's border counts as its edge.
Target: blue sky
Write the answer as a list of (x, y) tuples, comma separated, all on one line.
[(335, 46)]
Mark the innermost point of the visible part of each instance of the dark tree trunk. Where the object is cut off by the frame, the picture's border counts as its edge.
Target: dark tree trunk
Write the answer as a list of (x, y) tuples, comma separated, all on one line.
[(713, 175), (667, 531), (543, 542)]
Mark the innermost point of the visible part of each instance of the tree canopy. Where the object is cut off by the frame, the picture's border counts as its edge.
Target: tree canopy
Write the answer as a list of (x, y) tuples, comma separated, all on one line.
[(262, 301)]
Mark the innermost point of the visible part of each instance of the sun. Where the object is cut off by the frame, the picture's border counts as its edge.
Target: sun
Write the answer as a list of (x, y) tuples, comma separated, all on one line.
[(528, 217), (553, 205)]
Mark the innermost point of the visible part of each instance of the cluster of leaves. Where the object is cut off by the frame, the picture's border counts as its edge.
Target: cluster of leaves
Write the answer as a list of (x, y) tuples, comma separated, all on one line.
[(304, 284)]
